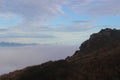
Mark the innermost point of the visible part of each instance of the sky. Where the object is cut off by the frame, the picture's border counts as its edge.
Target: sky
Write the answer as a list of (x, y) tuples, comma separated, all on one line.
[(56, 21), (59, 26)]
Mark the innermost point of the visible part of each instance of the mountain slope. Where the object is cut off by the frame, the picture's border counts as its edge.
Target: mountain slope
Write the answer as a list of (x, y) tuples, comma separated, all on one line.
[(97, 59)]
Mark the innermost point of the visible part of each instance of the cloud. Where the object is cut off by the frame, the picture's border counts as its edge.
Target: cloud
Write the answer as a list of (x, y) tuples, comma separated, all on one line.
[(27, 36), (12, 58), (8, 44), (81, 21), (2, 30), (47, 9), (75, 26), (95, 7), (7, 16), (32, 9), (9, 19)]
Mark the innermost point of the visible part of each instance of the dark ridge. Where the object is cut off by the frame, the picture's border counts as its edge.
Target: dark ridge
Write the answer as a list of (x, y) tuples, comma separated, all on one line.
[(97, 59), (105, 39)]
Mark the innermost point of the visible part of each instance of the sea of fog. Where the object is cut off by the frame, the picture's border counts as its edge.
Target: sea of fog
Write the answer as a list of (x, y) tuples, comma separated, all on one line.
[(13, 58)]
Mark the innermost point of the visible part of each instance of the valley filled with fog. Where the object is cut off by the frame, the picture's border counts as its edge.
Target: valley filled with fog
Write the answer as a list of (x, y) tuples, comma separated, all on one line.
[(13, 58)]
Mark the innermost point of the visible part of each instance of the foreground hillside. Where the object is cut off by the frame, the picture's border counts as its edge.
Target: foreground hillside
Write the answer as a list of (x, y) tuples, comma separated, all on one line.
[(97, 59)]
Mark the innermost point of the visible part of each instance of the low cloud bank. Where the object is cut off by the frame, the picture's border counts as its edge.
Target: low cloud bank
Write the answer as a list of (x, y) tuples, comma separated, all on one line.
[(12, 58)]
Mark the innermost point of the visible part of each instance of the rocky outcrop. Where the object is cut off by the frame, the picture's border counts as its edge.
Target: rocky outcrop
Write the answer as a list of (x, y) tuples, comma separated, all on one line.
[(104, 40)]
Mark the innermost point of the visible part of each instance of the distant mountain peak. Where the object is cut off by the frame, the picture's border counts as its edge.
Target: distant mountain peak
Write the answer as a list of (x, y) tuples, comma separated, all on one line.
[(12, 44)]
